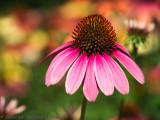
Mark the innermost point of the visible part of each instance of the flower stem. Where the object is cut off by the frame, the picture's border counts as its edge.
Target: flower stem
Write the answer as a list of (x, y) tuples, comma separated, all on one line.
[(83, 109), (121, 107), (134, 52)]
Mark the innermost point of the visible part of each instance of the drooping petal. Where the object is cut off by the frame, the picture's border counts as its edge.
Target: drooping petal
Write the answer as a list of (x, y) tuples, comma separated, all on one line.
[(103, 75), (76, 74), (57, 50), (17, 110), (90, 88), (60, 65), (122, 48), (59, 57), (2, 103), (130, 65), (119, 78), (12, 105)]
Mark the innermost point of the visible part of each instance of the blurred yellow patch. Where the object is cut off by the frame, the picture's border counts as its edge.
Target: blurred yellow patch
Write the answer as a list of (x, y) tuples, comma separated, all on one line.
[(38, 40), (77, 9), (12, 70), (10, 33), (10, 57), (16, 74)]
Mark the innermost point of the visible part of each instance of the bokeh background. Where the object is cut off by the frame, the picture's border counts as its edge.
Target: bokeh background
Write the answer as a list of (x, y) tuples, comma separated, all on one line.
[(30, 29)]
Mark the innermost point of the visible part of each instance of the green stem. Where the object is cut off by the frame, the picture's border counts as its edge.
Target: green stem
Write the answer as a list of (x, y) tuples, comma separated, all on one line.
[(121, 107), (83, 109), (134, 52), (134, 55)]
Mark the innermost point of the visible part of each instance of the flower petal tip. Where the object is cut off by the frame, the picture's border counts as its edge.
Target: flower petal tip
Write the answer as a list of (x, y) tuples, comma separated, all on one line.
[(109, 93), (142, 82), (48, 84), (42, 61), (126, 92), (69, 92), (91, 100)]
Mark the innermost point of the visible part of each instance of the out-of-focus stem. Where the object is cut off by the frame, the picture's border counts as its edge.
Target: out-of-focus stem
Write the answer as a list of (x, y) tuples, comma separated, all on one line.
[(121, 107), (83, 109), (134, 52)]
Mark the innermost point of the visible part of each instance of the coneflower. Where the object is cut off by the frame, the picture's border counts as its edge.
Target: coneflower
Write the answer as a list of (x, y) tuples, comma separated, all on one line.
[(8, 111), (138, 31), (89, 58)]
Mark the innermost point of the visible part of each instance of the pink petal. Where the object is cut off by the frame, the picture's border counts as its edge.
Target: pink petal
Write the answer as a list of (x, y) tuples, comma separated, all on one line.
[(17, 110), (123, 49), (57, 50), (60, 65), (103, 75), (76, 74), (11, 106), (90, 86), (59, 57), (119, 78), (130, 65), (2, 103)]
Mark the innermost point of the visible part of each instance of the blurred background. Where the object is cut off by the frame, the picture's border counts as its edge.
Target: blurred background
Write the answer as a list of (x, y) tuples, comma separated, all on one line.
[(30, 29)]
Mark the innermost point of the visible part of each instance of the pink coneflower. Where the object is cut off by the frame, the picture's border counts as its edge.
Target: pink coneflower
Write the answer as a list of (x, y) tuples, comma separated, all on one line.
[(138, 31), (139, 28), (11, 109), (89, 60), (144, 11)]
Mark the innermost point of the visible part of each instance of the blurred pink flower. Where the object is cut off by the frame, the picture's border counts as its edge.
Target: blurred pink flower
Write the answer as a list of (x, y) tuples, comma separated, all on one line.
[(154, 74), (11, 109), (28, 20), (138, 32), (139, 27), (17, 89), (89, 56), (144, 11)]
